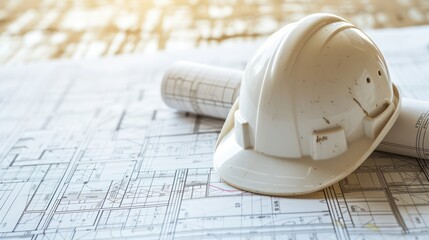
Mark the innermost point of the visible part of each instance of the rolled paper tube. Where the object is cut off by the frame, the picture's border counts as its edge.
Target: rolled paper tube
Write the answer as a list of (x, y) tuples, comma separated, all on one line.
[(211, 91), (408, 135), (201, 89)]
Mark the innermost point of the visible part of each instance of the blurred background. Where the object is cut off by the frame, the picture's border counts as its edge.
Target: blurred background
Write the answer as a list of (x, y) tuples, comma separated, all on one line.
[(32, 30)]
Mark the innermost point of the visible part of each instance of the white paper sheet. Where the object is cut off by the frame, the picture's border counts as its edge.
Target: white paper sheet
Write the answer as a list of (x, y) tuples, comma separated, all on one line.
[(88, 150)]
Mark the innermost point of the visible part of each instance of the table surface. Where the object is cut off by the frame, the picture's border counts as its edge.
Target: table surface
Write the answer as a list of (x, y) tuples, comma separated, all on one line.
[(50, 29)]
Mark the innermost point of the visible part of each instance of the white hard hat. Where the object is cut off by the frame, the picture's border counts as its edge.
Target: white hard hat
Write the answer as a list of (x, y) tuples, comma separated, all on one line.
[(315, 101)]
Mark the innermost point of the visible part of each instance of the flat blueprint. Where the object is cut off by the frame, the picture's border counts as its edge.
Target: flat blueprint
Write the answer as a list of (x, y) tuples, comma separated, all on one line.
[(88, 150)]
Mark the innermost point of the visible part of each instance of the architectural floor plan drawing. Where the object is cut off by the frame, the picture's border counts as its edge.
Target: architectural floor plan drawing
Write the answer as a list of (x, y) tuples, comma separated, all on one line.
[(88, 150)]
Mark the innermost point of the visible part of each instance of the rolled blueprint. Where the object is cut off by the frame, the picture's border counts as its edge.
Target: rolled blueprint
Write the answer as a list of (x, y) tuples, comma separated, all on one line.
[(408, 134), (201, 89), (211, 91)]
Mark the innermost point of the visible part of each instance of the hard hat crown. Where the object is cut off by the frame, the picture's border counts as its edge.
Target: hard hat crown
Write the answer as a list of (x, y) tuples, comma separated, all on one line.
[(321, 74)]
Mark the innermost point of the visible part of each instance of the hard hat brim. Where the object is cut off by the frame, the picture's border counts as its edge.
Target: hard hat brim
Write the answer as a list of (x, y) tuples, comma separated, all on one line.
[(253, 171)]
